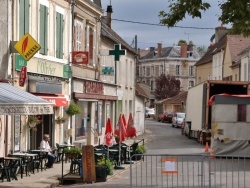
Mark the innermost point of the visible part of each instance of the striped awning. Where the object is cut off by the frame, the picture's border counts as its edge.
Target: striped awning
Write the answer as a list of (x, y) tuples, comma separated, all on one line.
[(14, 101)]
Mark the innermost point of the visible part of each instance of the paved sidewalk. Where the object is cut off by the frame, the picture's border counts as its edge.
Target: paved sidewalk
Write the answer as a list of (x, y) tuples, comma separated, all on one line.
[(49, 178)]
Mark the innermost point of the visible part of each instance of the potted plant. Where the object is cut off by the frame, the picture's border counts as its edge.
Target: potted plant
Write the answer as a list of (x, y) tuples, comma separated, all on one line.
[(103, 168), (140, 150), (108, 164), (60, 120), (33, 121), (72, 153), (73, 109)]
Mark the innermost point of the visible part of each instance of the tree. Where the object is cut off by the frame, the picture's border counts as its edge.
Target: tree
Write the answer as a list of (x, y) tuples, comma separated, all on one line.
[(166, 86), (234, 12)]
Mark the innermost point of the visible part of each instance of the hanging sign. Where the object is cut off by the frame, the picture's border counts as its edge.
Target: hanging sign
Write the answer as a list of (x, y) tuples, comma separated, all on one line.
[(22, 76), (27, 46), (80, 58)]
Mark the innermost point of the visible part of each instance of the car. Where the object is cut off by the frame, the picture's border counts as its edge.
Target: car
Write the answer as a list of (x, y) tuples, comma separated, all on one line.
[(165, 117), (178, 119), (149, 112)]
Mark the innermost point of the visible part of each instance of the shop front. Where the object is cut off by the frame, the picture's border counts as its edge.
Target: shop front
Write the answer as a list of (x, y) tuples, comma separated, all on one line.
[(97, 101), (48, 80), (16, 106)]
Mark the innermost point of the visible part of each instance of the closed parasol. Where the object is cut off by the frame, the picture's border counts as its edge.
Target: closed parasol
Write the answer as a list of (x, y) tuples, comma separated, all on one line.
[(131, 130)]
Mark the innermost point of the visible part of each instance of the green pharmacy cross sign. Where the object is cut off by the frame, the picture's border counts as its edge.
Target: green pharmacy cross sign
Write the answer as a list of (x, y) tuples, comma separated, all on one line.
[(117, 52)]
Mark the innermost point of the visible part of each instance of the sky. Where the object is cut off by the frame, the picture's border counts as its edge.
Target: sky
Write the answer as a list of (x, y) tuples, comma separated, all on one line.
[(148, 35)]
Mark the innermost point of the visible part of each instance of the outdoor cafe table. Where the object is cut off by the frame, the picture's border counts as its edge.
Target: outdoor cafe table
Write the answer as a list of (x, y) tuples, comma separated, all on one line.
[(41, 154), (10, 162), (22, 155), (62, 146)]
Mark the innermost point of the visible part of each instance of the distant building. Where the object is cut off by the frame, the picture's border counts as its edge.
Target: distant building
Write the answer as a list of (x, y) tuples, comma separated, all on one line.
[(175, 61)]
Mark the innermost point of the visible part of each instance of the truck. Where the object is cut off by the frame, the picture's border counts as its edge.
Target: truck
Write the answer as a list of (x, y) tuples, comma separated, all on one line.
[(198, 112), (230, 131)]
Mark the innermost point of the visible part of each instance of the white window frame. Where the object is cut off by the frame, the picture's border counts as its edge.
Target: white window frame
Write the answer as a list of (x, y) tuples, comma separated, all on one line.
[(79, 33)]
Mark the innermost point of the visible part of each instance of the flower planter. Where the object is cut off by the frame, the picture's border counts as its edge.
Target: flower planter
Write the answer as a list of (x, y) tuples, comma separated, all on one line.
[(101, 173)]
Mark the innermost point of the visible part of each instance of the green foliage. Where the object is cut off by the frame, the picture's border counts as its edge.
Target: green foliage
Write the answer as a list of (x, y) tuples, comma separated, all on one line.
[(106, 162), (60, 119), (234, 12), (140, 149), (73, 151), (181, 41), (73, 109), (166, 86)]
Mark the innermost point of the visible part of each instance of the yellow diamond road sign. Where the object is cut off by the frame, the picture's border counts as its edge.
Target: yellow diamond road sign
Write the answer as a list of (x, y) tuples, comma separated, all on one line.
[(27, 46)]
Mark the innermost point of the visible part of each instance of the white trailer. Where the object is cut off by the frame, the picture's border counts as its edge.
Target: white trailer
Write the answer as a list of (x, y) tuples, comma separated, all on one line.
[(198, 112)]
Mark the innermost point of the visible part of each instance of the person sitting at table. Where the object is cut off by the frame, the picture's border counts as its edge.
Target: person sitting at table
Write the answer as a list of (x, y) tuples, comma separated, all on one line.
[(44, 146)]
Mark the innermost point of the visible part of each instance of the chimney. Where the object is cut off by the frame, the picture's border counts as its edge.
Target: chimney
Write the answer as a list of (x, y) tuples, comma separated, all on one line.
[(190, 47), (151, 49), (159, 50), (220, 32), (184, 50), (109, 12)]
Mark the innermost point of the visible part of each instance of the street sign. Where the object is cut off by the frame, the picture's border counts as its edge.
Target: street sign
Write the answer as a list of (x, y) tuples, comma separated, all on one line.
[(27, 46), (117, 52)]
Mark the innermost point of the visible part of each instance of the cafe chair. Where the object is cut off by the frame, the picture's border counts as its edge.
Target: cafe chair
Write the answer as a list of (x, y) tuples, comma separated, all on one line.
[(24, 166), (59, 153), (5, 171)]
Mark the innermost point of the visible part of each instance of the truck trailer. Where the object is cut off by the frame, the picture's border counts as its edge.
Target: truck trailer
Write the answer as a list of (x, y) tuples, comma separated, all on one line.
[(198, 112)]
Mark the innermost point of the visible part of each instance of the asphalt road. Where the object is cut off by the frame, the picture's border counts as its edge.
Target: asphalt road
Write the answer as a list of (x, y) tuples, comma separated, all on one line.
[(164, 139)]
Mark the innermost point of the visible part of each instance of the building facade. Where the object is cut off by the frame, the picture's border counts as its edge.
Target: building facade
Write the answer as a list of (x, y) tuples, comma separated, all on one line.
[(175, 61)]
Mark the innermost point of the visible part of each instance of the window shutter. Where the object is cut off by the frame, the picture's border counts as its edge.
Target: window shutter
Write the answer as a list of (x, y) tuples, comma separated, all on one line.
[(26, 16), (43, 29), (59, 35)]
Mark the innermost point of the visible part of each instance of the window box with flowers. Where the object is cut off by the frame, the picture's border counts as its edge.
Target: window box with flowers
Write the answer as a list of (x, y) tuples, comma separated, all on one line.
[(33, 121), (60, 120)]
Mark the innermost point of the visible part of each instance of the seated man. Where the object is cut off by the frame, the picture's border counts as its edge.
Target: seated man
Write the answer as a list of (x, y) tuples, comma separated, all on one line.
[(44, 146)]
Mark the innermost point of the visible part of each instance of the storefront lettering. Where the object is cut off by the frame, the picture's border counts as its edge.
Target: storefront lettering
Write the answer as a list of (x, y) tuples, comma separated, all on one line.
[(45, 68), (26, 110), (94, 88)]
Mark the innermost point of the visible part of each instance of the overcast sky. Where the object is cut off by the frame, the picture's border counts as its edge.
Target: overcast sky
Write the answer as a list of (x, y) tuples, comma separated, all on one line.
[(147, 11)]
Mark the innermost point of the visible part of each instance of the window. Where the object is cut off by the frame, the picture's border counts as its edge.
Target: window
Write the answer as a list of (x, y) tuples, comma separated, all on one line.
[(152, 85), (191, 83), (78, 33), (43, 30), (162, 70), (144, 71), (199, 80), (24, 11), (152, 70), (191, 70), (59, 35), (242, 112), (90, 43), (177, 69)]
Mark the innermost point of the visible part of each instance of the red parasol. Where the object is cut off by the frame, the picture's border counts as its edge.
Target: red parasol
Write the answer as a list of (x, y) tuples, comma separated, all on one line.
[(120, 129), (109, 135), (124, 121), (131, 130)]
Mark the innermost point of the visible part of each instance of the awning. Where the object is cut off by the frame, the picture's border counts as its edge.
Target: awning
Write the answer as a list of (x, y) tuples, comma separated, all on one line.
[(14, 101), (57, 99)]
